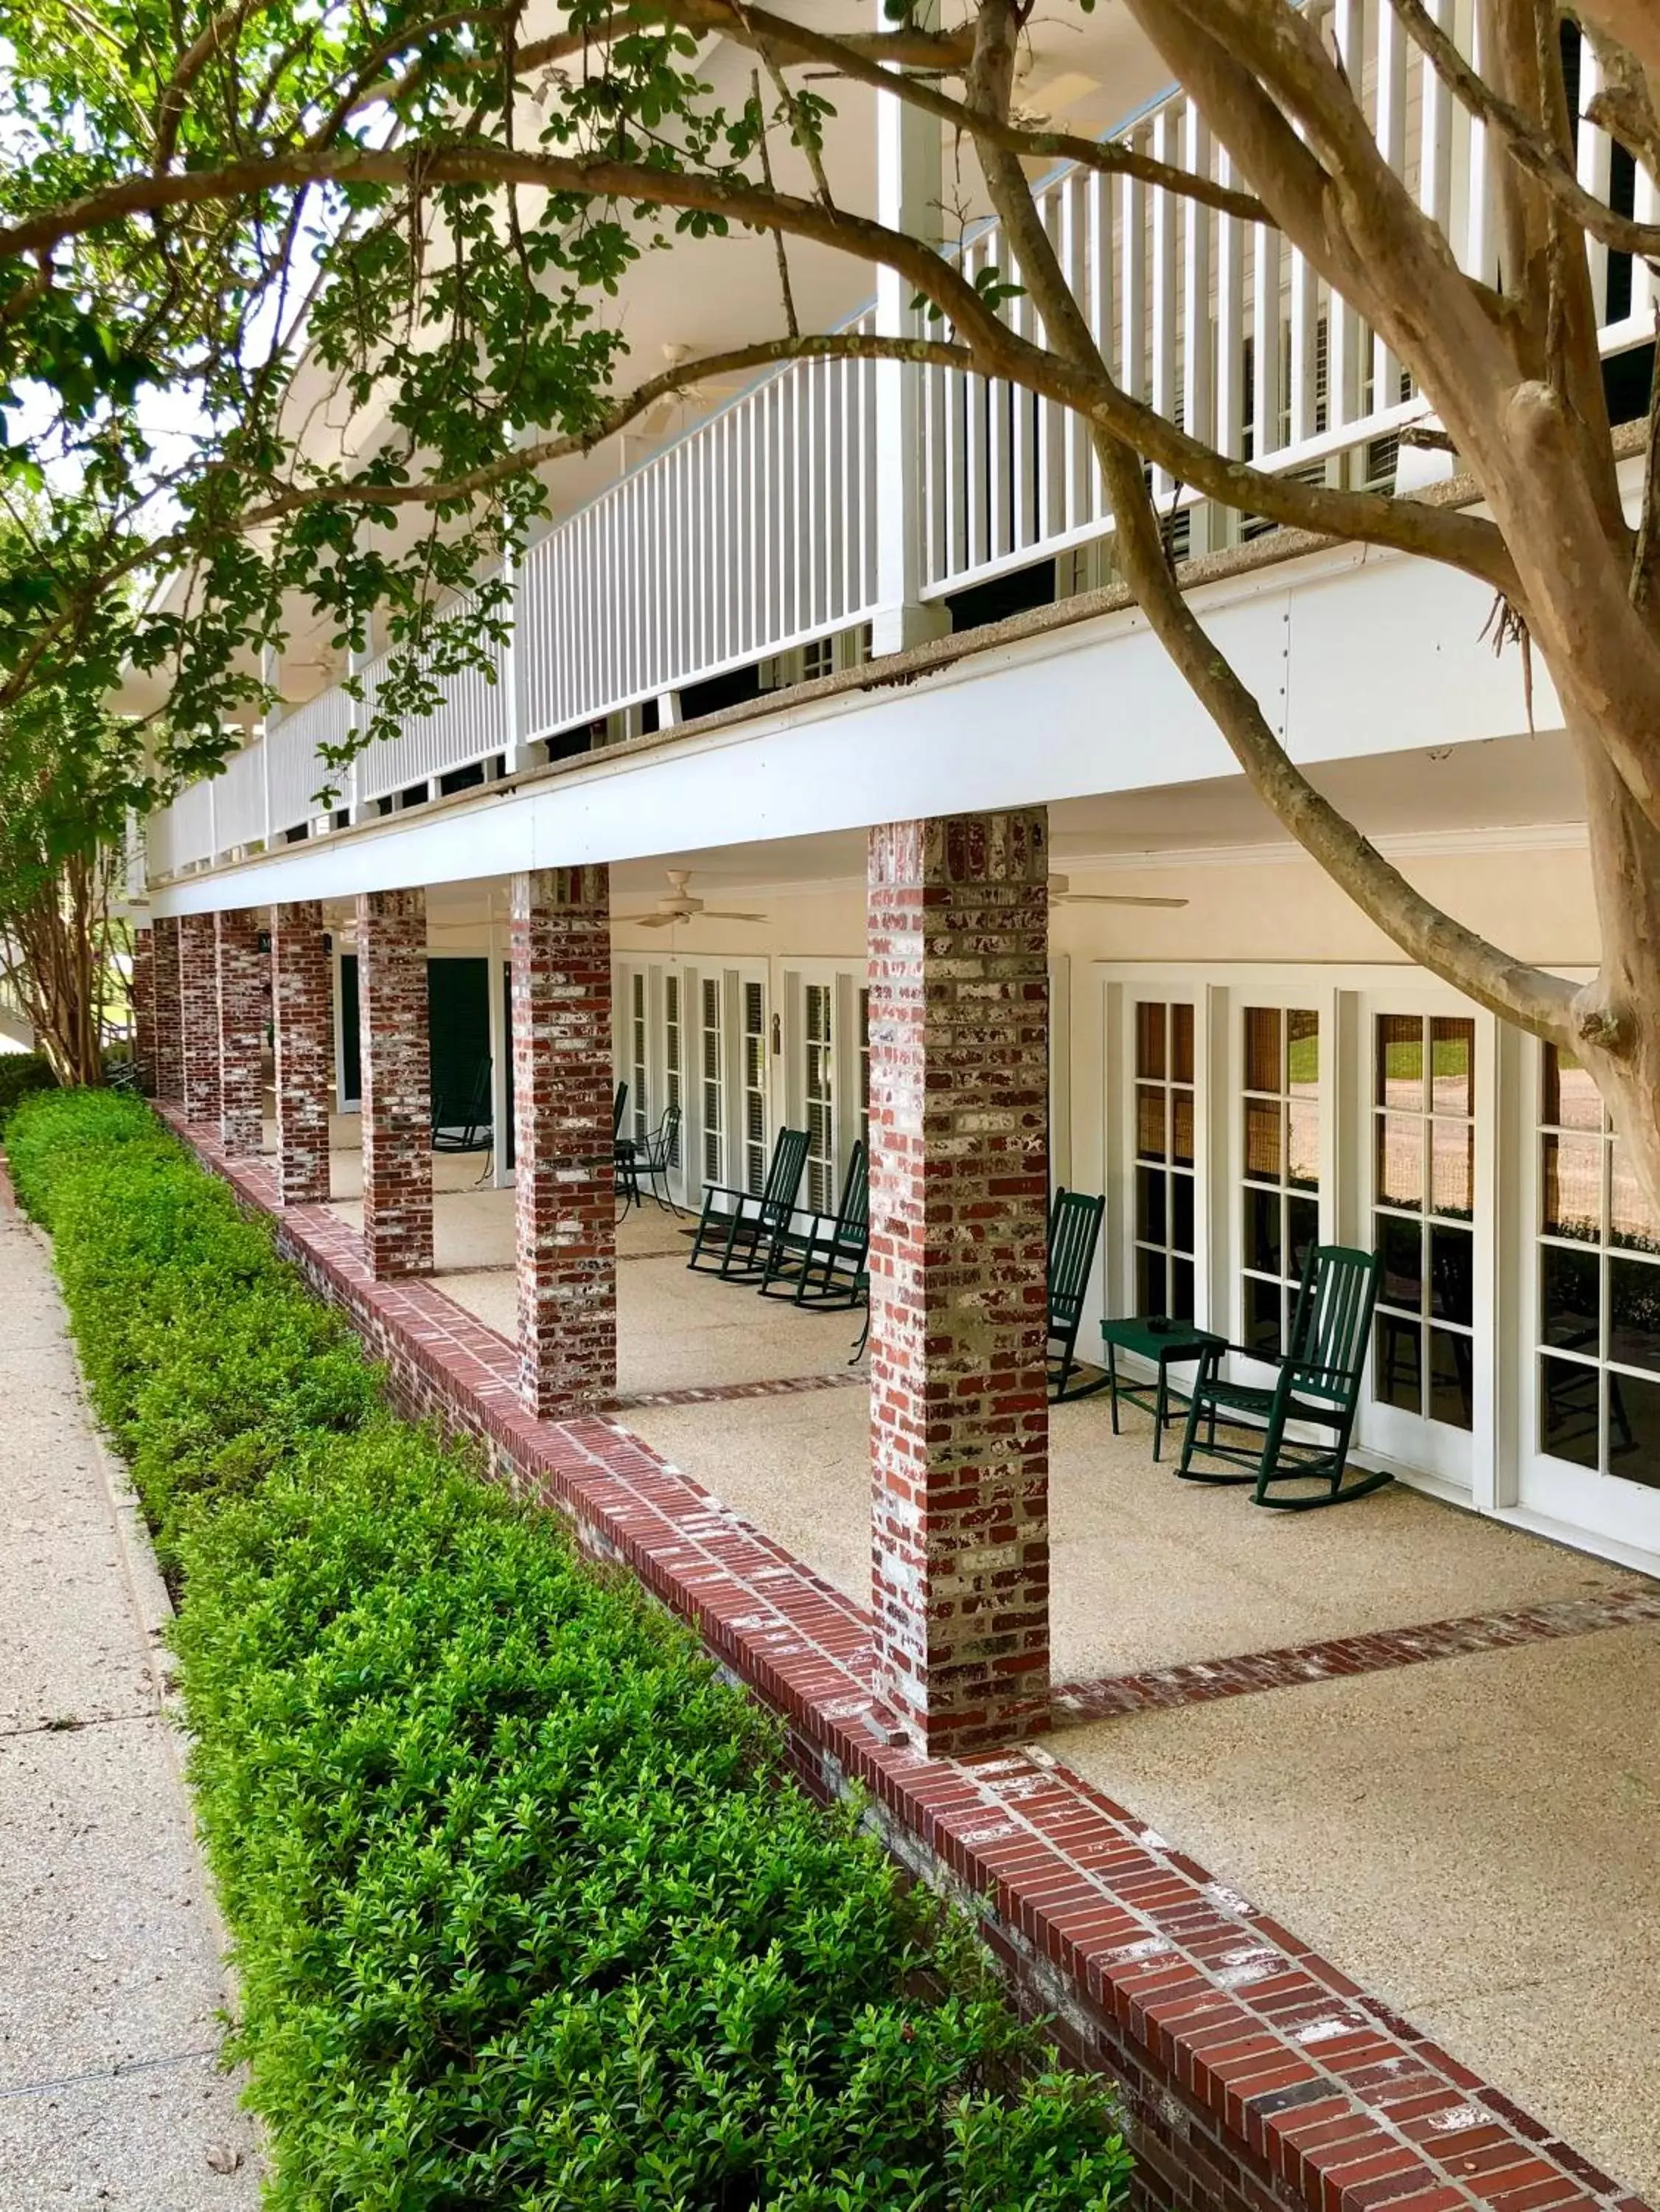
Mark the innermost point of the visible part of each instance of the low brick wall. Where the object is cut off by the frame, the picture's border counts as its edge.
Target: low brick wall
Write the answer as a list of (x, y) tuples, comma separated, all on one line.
[(1257, 2078)]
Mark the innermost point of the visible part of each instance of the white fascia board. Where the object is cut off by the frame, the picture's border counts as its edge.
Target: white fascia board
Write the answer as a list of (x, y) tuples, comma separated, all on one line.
[(1349, 654)]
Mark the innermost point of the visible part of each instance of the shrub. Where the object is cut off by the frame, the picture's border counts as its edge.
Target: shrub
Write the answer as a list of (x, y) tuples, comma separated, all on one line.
[(525, 1908), (20, 1073)]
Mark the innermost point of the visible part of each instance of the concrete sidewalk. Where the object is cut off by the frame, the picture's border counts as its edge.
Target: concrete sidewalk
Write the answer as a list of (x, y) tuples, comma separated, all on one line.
[(111, 1984)]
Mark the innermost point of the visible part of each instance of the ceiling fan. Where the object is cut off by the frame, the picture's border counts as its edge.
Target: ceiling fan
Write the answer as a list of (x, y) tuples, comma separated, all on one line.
[(679, 905), (1060, 895)]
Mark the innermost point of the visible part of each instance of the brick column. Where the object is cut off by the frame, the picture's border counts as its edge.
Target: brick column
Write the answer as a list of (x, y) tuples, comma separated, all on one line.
[(198, 987), (144, 1008), (169, 1074), (396, 1111), (303, 1014), (242, 985), (958, 950), (564, 1205)]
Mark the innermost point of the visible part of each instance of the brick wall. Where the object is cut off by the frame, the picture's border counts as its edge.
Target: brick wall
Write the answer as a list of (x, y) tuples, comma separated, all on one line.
[(198, 987), (242, 986), (303, 1017), (169, 1078), (143, 1009), (958, 953), (563, 1202), (397, 1106)]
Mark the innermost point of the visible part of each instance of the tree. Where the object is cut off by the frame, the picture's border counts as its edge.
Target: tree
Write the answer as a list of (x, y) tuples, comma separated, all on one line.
[(457, 232)]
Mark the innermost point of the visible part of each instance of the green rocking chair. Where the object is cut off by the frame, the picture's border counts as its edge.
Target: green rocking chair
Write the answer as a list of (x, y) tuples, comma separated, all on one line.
[(1318, 1385)]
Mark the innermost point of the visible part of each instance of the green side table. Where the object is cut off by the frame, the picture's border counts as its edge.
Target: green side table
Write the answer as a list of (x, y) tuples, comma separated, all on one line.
[(1174, 1342)]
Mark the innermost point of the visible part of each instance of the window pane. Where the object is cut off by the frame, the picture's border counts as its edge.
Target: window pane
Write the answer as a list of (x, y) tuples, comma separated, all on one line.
[(1569, 1298), (1181, 1212), (1452, 1167), (1150, 1217), (1401, 1061), (1452, 1275), (1631, 1220), (1572, 1099), (1181, 1044), (1568, 1411), (1264, 1069), (1634, 1430), (1149, 1038), (1397, 1377), (1149, 1122), (1304, 1170), (1451, 1372), (1573, 1188), (1400, 1160), (1181, 1108), (1149, 1282), (1303, 1225), (1264, 1151), (1452, 1064), (1262, 1231), (1262, 1315), (1302, 1053), (1401, 1250), (1634, 1312), (1181, 1290)]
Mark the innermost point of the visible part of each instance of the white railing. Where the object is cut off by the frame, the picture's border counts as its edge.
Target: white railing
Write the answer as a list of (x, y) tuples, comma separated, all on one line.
[(473, 723), (757, 532), (752, 533), (296, 773)]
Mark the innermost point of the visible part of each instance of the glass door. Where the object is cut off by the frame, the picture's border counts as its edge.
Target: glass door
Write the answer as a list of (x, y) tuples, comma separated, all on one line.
[(1164, 1163), (753, 1073), (1595, 1370), (1426, 1351), (1280, 1156)]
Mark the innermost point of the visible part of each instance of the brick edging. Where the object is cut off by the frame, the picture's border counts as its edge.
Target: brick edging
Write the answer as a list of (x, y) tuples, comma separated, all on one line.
[(1256, 2077), (1370, 1651)]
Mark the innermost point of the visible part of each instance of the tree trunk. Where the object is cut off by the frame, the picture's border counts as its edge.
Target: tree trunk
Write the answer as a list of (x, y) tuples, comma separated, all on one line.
[(1617, 1018)]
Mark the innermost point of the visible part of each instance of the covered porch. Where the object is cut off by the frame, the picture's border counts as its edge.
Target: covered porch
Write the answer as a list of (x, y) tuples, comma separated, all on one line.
[(1422, 1742)]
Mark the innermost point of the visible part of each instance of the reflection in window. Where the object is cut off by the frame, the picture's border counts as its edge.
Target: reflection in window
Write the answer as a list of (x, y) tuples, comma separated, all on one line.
[(1599, 1287), (1163, 1159), (1280, 1200), (1423, 1188)]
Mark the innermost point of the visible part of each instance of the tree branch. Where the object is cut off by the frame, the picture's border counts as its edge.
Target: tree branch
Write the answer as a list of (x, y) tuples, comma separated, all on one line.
[(1523, 141)]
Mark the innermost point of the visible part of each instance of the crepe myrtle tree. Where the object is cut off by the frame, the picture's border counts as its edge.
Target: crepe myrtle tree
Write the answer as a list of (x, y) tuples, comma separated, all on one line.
[(453, 196)]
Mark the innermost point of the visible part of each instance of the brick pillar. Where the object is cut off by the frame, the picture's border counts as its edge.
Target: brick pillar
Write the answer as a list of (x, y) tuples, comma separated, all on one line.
[(563, 1202), (198, 987), (397, 1112), (303, 1010), (958, 951), (144, 1008), (169, 1077), (242, 984)]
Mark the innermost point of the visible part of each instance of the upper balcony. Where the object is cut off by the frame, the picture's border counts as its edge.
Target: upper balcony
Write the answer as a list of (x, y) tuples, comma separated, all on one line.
[(756, 549)]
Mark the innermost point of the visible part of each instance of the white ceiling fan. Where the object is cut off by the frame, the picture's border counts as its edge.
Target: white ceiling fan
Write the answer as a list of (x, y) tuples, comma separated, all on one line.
[(1061, 895), (680, 905)]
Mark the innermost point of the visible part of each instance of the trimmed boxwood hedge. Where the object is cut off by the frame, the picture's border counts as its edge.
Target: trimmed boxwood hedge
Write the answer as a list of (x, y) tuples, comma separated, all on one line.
[(525, 1908), (20, 1073)]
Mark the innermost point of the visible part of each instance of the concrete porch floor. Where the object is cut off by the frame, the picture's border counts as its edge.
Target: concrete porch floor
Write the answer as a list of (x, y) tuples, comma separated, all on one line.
[(1474, 1841)]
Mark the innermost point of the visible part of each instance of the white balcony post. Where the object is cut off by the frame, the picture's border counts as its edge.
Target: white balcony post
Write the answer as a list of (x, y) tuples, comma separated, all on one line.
[(518, 751), (908, 195), (362, 809), (270, 674)]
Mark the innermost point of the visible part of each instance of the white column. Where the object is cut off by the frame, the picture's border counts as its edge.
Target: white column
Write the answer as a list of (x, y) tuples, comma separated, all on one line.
[(512, 681), (362, 810), (909, 189)]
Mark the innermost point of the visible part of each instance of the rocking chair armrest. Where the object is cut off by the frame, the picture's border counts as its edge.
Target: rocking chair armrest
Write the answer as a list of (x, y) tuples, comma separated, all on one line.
[(725, 1190)]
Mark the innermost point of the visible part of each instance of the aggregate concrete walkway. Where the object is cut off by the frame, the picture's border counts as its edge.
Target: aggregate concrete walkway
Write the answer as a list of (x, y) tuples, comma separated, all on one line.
[(110, 1985)]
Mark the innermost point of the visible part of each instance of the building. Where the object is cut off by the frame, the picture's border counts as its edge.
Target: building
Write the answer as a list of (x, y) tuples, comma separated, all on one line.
[(989, 897)]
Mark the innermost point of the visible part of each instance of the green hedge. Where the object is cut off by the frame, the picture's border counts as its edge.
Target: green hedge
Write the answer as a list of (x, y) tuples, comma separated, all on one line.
[(20, 1073), (525, 1908)]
